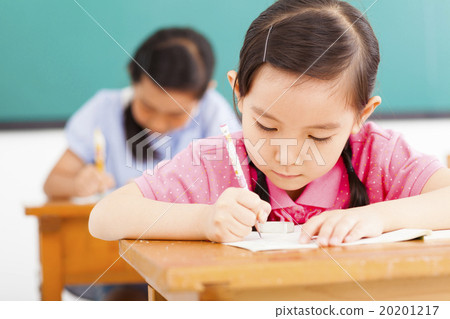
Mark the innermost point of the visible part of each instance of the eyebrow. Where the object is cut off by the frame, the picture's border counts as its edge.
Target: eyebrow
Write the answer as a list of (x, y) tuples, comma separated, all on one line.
[(325, 126), (262, 113)]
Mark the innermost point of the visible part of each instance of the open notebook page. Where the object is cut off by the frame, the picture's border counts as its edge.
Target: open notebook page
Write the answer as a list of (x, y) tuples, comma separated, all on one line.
[(279, 241), (438, 234)]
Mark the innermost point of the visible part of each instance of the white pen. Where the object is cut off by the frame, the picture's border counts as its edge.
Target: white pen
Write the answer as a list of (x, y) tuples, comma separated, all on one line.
[(235, 162)]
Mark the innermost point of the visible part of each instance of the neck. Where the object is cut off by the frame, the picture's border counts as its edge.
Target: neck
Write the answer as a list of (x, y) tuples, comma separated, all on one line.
[(295, 194)]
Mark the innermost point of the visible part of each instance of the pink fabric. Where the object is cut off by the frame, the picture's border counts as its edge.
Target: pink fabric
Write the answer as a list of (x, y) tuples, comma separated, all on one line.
[(382, 159)]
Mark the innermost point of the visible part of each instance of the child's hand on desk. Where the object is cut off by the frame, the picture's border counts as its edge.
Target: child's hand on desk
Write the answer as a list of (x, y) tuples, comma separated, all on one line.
[(234, 214), (90, 181), (342, 226)]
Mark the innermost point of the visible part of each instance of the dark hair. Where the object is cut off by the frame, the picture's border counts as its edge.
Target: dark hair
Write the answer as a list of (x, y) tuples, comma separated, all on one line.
[(322, 39), (132, 129), (176, 58)]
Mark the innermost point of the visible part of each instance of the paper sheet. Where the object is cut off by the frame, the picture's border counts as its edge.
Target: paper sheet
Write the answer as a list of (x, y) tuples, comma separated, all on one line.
[(93, 199), (438, 234), (290, 241)]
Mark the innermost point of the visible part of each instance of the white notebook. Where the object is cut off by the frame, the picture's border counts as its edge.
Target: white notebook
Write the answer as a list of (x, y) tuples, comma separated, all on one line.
[(438, 234), (279, 241)]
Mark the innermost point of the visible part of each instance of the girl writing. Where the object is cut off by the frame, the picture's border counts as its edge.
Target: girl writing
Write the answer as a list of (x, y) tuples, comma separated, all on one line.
[(304, 88)]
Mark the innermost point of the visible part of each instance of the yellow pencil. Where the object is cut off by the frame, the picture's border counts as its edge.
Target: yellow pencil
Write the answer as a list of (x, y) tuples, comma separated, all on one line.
[(235, 162), (99, 142)]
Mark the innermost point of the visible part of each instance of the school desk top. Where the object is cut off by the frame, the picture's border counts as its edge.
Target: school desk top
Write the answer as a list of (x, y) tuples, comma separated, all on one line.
[(60, 208), (200, 270)]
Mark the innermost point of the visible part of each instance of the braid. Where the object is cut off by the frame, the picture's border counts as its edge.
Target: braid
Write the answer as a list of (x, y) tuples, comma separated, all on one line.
[(358, 192), (261, 188)]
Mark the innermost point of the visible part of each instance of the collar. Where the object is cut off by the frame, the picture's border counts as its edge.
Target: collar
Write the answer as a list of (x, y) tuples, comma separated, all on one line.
[(126, 96), (321, 192)]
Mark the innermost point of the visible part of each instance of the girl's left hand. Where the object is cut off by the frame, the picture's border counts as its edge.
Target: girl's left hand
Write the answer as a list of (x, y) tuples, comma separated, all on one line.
[(342, 226)]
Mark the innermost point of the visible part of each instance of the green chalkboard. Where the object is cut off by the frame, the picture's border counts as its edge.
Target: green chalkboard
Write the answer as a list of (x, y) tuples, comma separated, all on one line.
[(54, 56)]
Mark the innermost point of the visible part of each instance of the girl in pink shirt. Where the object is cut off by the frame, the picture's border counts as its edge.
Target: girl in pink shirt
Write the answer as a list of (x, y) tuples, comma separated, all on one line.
[(306, 74)]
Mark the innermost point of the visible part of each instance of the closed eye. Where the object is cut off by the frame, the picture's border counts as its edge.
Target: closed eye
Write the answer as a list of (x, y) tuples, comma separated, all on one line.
[(267, 129), (320, 140), (316, 139)]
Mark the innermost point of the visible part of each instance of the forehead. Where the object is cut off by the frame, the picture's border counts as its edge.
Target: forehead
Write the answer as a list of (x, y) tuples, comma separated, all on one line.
[(295, 100), (167, 100)]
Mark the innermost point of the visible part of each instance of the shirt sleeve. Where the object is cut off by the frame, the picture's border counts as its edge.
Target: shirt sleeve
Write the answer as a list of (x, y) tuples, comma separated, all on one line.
[(80, 128), (183, 179), (217, 112), (198, 174), (406, 170)]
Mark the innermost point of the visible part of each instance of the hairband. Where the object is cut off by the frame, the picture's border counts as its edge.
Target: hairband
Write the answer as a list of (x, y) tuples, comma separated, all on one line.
[(267, 41)]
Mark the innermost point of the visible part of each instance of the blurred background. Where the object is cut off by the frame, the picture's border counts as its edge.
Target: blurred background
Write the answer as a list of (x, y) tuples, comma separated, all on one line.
[(56, 54)]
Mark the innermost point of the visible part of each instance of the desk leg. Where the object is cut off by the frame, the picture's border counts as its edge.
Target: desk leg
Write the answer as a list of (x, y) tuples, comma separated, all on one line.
[(153, 295), (51, 258), (216, 292)]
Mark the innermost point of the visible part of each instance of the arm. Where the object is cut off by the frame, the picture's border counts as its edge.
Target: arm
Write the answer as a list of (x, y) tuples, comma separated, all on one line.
[(72, 174), (430, 209), (72, 177), (125, 213)]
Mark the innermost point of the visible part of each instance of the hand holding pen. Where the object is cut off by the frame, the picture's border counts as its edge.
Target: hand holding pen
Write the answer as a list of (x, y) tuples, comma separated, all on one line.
[(237, 210), (92, 179), (233, 215)]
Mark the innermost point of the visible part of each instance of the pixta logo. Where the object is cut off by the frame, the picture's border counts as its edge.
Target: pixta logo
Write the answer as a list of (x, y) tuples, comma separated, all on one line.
[(150, 147)]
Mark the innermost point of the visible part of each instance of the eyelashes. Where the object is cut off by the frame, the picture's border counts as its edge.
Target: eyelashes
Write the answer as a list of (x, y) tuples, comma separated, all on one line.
[(320, 140), (264, 128), (315, 139)]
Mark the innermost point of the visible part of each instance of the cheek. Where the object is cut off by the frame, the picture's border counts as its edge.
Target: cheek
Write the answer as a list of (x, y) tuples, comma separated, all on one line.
[(252, 136), (331, 153), (139, 114), (248, 131), (246, 124), (179, 121)]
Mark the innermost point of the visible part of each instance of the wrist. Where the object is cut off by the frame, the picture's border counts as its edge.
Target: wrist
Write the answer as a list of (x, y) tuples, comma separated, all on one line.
[(384, 215), (75, 189), (204, 216)]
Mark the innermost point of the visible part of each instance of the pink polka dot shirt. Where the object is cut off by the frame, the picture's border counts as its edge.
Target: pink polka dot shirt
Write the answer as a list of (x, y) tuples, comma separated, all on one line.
[(384, 162)]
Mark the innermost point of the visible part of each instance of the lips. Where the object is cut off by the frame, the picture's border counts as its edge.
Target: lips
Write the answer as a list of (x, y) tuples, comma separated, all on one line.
[(286, 176)]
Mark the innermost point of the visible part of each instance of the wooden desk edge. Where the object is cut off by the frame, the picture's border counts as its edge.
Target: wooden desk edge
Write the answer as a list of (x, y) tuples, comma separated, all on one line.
[(439, 267), (124, 253), (60, 209)]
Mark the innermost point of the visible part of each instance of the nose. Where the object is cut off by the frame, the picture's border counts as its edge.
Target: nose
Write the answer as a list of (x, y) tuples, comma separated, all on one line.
[(287, 152)]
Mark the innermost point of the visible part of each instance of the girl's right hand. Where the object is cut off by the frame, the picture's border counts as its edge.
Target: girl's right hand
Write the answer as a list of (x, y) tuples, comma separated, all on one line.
[(90, 181), (234, 214)]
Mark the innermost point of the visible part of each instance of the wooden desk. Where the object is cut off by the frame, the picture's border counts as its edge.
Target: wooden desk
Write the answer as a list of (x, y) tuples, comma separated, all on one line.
[(175, 270), (70, 255)]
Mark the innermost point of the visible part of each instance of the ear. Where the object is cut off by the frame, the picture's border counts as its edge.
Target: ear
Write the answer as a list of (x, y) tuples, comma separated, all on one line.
[(232, 79), (366, 113), (232, 76)]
